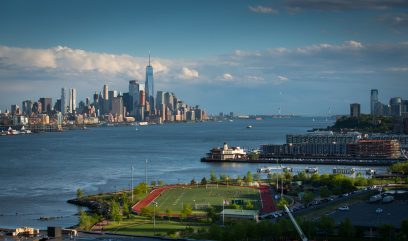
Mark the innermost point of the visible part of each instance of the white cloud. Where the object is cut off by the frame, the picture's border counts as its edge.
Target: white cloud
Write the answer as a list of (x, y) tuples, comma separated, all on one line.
[(282, 78), (398, 69), (187, 73), (226, 77), (262, 9)]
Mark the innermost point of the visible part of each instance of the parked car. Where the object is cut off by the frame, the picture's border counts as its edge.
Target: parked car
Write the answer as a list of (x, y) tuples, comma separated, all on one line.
[(379, 210), (344, 208)]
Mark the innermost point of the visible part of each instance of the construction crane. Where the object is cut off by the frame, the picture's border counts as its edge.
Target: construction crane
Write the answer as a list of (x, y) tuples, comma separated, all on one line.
[(297, 227)]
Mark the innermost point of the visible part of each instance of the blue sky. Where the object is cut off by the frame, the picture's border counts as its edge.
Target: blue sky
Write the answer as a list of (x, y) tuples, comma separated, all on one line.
[(243, 56)]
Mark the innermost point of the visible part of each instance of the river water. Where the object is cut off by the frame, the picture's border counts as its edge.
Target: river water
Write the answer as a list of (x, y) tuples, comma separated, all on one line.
[(39, 172)]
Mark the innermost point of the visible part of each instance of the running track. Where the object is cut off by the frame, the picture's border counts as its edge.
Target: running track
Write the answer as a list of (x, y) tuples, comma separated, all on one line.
[(268, 204)]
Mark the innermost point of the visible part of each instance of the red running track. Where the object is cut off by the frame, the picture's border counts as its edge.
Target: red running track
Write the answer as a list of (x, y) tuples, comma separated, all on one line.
[(268, 205), (150, 198)]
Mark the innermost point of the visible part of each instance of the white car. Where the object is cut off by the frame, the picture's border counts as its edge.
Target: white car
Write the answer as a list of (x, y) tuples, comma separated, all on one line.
[(344, 208), (379, 210)]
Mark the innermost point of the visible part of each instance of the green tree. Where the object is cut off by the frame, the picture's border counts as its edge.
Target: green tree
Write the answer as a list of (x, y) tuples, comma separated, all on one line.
[(186, 211), (114, 211), (324, 192), (387, 232), (153, 183), (235, 206), (126, 205), (141, 188), (249, 178), (193, 181), (161, 183), (308, 197), (147, 211), (223, 177), (248, 205), (204, 181), (79, 193), (346, 229), (282, 202), (213, 177), (168, 213), (85, 221), (257, 177), (326, 225), (404, 228)]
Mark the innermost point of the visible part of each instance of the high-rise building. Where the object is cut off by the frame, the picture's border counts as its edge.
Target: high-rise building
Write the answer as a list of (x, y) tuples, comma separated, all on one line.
[(27, 107), (355, 110), (72, 100), (64, 101), (46, 104), (105, 92), (169, 100), (15, 109), (396, 106), (134, 94), (373, 101), (149, 86)]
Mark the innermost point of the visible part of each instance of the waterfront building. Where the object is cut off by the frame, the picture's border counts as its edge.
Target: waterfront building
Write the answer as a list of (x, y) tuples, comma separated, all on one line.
[(37, 108), (375, 148), (57, 105), (169, 100), (304, 150), (72, 100), (117, 106), (323, 137), (46, 104), (227, 153), (373, 100), (402, 139), (64, 101), (355, 110), (149, 87)]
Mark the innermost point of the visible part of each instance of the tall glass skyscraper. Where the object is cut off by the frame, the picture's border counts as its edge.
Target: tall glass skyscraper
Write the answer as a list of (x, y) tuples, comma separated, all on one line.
[(149, 86), (64, 101), (373, 100)]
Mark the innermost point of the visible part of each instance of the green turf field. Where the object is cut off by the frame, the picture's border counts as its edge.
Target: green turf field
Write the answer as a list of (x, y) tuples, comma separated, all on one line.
[(201, 197)]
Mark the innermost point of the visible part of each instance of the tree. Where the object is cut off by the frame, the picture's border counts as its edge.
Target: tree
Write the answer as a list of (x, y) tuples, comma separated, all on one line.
[(387, 232), (212, 215), (125, 205), (168, 212), (193, 181), (204, 181), (282, 202), (187, 211), (79, 193), (213, 177), (235, 206), (257, 177), (141, 188), (346, 229), (85, 221), (249, 178), (326, 225), (114, 211), (153, 183), (161, 183), (308, 197), (324, 192), (248, 205), (147, 211)]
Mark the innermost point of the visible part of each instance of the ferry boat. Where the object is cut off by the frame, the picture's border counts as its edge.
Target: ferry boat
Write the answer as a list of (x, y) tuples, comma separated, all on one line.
[(24, 131), (312, 170)]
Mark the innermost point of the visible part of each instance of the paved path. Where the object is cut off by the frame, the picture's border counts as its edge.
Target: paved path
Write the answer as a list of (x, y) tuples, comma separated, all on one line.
[(150, 198)]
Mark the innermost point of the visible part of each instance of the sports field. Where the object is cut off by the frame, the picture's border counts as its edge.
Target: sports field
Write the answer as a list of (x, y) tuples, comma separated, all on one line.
[(201, 197)]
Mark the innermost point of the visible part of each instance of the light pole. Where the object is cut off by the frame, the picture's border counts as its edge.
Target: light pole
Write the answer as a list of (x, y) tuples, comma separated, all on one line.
[(154, 218), (131, 186), (146, 176)]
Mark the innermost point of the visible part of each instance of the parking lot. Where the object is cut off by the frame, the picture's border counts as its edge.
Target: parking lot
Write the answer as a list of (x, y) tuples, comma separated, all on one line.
[(364, 213)]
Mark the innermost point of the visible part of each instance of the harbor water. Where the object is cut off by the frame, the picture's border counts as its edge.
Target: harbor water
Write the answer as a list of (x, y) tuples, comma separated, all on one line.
[(39, 172)]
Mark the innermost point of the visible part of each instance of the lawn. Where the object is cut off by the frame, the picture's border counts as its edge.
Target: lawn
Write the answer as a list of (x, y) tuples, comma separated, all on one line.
[(137, 225), (201, 197)]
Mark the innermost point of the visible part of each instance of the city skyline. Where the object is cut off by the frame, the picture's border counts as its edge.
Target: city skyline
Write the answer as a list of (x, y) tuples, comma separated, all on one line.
[(256, 57)]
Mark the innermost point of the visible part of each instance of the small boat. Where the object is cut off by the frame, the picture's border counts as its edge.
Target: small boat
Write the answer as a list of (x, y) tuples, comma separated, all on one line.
[(370, 171), (249, 127)]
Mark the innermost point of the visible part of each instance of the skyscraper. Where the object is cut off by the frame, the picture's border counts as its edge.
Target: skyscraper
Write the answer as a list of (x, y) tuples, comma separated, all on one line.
[(355, 110), (105, 92), (64, 102), (149, 86), (46, 104), (373, 101), (72, 100), (134, 92)]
